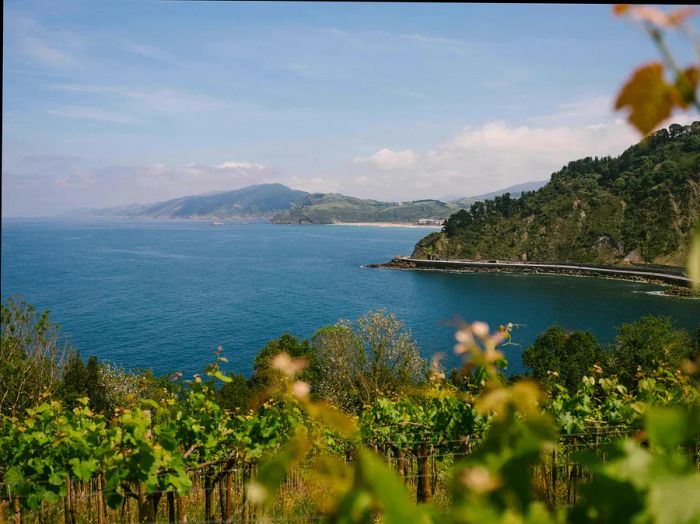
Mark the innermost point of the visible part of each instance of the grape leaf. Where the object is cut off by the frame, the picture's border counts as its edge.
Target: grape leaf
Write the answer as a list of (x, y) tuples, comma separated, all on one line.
[(649, 97)]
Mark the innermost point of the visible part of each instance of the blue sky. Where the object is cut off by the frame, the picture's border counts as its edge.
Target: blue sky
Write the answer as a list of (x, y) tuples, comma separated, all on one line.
[(107, 103)]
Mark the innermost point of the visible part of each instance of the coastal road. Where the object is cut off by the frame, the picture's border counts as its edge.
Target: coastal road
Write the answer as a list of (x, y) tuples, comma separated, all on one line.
[(671, 278)]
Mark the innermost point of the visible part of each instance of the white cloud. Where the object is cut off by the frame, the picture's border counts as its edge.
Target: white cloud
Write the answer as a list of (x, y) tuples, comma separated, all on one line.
[(39, 44), (63, 183), (143, 50), (426, 39), (171, 101), (316, 184), (440, 43), (485, 158), (416, 40), (588, 110), (94, 114), (239, 165), (364, 180), (41, 51), (158, 99), (386, 159)]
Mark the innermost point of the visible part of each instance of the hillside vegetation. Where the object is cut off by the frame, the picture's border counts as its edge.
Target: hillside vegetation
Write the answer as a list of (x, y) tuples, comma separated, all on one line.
[(327, 208), (258, 201), (639, 207)]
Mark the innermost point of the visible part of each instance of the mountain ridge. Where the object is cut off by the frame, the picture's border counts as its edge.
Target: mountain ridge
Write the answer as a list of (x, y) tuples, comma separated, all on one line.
[(256, 201), (280, 204)]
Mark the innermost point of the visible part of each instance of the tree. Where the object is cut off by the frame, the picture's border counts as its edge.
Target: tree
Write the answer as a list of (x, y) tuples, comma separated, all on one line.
[(73, 380), (358, 363), (235, 395), (96, 388), (264, 375), (562, 356), (31, 356), (645, 345)]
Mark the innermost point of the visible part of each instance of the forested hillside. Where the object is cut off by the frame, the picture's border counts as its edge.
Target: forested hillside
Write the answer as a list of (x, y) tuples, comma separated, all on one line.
[(258, 201), (638, 207), (326, 208)]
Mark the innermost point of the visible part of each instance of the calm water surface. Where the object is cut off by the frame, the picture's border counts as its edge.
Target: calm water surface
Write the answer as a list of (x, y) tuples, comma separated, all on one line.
[(164, 294)]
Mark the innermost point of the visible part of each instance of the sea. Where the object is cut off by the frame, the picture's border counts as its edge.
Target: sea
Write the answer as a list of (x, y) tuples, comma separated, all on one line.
[(165, 294)]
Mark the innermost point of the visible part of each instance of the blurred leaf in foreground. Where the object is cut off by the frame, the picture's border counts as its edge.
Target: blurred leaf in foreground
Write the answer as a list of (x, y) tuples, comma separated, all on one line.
[(649, 97)]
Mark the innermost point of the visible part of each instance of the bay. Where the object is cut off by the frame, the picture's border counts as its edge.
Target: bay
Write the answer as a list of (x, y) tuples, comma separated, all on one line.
[(164, 294)]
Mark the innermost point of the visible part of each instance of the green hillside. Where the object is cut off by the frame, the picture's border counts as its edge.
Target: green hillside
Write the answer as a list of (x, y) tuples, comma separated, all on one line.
[(638, 207), (262, 200), (327, 208)]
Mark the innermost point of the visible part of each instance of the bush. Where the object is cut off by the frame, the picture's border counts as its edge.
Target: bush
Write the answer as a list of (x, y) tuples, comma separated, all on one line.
[(562, 356), (264, 375), (31, 357), (646, 344), (235, 395), (375, 357)]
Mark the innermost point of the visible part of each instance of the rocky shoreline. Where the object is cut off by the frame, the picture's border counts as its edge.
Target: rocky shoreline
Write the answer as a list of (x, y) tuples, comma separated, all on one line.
[(404, 263)]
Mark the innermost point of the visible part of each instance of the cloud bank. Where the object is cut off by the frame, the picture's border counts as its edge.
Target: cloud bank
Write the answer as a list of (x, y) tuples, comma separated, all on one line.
[(492, 156)]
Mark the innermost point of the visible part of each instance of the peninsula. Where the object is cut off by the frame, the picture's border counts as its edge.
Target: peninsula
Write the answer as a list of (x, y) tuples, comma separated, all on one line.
[(628, 217)]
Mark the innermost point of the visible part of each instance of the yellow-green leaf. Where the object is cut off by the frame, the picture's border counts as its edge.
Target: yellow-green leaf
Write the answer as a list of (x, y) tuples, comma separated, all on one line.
[(649, 97)]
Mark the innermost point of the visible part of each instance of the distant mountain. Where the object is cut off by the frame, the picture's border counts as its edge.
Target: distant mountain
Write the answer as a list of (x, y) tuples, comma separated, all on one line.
[(327, 208), (450, 198), (282, 205), (514, 191), (639, 207), (259, 201)]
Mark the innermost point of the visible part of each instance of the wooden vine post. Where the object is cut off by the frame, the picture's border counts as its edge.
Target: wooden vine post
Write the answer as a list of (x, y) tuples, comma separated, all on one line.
[(181, 509), (228, 505), (146, 509), (423, 493), (17, 511), (68, 509), (100, 501)]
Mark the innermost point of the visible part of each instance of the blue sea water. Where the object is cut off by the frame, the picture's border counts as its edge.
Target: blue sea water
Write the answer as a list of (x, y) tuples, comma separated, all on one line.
[(165, 294)]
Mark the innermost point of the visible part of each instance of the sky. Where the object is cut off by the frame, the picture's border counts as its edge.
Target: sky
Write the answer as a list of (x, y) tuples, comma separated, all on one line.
[(118, 102)]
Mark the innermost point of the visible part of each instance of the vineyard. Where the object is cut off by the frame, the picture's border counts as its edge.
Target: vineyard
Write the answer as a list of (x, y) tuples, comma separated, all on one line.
[(495, 451)]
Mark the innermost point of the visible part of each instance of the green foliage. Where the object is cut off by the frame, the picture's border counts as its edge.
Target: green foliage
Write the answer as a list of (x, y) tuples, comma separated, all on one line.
[(437, 419), (594, 210), (358, 363), (49, 446), (31, 357), (377, 491), (562, 357), (265, 376), (598, 402), (73, 380), (235, 395), (497, 478), (654, 484), (641, 347), (500, 434), (326, 208)]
